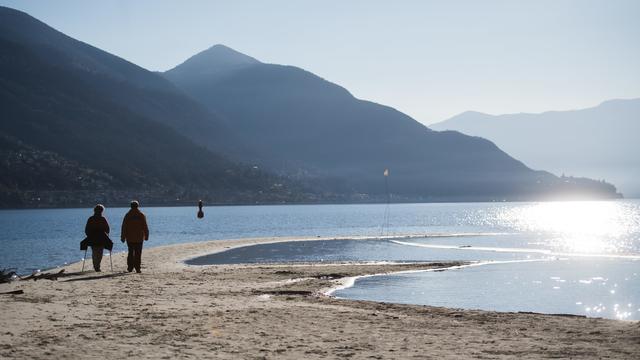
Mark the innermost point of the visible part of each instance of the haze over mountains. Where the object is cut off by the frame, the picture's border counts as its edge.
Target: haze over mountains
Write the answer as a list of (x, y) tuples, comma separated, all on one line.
[(599, 142), (78, 120), (101, 124), (296, 122)]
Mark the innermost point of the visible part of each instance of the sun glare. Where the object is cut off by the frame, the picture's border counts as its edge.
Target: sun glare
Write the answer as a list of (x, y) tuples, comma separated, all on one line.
[(577, 226)]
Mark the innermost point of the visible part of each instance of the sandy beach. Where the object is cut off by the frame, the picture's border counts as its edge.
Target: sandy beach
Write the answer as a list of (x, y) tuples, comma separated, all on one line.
[(274, 311)]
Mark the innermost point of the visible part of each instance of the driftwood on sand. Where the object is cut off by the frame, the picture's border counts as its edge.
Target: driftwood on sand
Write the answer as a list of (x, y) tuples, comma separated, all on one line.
[(6, 275), (40, 276), (14, 292)]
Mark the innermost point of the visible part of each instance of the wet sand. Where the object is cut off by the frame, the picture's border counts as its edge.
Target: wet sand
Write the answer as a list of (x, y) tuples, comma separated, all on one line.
[(273, 311)]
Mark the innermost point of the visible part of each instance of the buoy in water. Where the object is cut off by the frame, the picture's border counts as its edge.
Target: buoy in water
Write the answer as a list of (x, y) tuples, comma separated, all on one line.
[(200, 212)]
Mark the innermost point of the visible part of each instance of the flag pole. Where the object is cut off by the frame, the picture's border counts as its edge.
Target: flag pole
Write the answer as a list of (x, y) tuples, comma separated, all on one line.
[(385, 220)]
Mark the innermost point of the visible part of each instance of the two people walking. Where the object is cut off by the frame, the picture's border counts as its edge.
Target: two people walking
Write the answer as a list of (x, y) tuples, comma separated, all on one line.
[(134, 231)]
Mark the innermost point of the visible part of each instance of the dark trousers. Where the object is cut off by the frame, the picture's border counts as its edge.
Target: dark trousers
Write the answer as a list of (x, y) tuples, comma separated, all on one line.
[(96, 255), (135, 256)]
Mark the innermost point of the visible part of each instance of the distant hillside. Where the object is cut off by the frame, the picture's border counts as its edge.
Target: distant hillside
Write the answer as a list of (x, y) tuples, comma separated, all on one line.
[(80, 125), (299, 124), (599, 142), (77, 118)]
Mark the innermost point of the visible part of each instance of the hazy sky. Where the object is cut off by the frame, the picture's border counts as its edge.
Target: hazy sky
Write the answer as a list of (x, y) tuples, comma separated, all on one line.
[(430, 59)]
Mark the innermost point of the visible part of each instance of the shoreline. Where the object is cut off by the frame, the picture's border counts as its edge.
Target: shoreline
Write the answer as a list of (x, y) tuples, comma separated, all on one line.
[(194, 203), (271, 311), (350, 281), (242, 242)]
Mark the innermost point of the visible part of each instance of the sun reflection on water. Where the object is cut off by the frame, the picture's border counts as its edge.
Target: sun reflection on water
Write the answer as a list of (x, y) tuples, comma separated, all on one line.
[(579, 226)]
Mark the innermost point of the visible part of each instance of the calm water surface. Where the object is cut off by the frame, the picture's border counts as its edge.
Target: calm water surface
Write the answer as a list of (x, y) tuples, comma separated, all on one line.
[(561, 257)]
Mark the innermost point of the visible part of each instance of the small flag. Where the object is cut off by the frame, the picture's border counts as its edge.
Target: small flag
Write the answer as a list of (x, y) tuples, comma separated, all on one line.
[(386, 172)]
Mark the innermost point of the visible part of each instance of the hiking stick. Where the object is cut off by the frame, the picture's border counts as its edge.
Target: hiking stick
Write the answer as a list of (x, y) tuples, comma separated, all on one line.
[(110, 259), (83, 258)]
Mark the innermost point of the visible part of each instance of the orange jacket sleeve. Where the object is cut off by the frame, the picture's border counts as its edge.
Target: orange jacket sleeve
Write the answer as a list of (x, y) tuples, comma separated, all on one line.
[(146, 228), (123, 229)]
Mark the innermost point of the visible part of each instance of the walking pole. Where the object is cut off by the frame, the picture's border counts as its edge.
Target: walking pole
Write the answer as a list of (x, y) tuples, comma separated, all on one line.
[(110, 259), (85, 256)]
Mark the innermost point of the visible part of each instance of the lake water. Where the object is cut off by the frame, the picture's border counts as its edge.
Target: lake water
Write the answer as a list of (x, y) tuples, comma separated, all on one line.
[(556, 257)]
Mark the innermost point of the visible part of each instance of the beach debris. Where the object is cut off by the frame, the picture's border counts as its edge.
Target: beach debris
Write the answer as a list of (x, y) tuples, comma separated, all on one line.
[(552, 314), (39, 276), (285, 272), (7, 275), (286, 292), (332, 276), (14, 292)]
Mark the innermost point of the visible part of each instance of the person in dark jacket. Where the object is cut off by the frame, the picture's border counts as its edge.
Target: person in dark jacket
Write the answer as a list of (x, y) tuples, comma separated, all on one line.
[(134, 231), (97, 231)]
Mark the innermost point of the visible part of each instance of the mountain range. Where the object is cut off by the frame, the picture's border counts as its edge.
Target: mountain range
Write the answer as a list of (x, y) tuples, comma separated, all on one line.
[(295, 122), (80, 125), (74, 109), (598, 142)]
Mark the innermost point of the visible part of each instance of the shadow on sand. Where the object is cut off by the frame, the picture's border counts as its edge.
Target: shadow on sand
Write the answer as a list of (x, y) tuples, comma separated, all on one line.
[(94, 277)]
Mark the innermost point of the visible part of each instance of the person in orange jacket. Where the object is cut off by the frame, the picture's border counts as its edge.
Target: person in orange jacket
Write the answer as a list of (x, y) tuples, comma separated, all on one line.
[(134, 231)]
